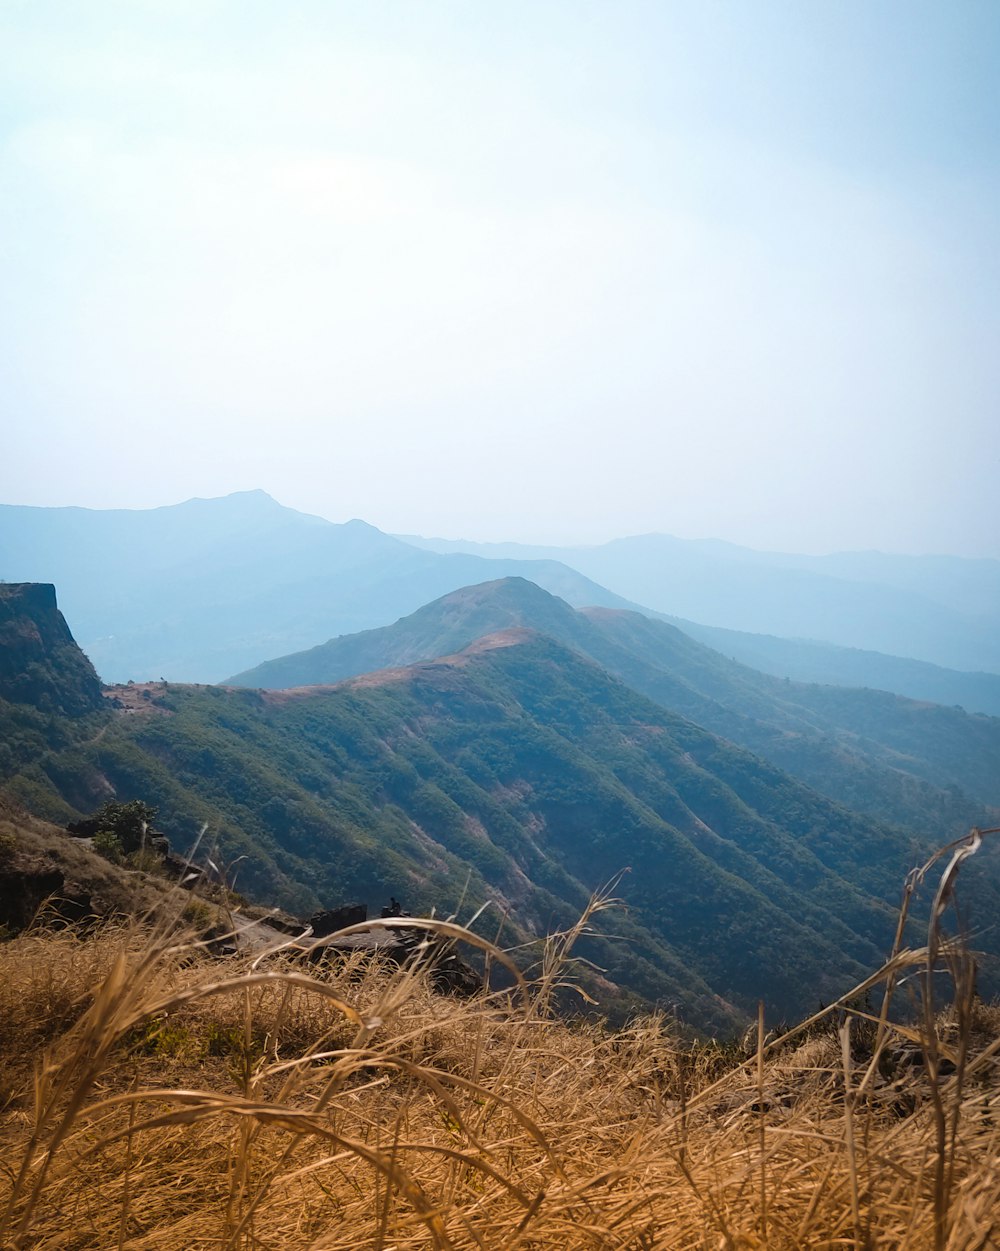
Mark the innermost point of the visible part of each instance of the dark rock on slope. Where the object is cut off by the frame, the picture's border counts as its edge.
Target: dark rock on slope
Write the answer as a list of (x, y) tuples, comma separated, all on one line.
[(40, 663)]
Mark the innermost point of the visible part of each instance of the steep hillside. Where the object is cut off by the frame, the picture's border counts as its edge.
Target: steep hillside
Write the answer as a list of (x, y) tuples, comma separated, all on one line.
[(520, 772), (40, 663), (805, 660), (870, 729), (43, 869), (198, 590), (878, 753)]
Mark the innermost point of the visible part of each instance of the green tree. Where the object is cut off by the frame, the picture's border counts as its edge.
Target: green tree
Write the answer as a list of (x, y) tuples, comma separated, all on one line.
[(122, 825)]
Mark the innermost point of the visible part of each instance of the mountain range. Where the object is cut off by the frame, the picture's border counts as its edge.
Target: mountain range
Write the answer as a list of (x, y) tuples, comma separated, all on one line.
[(495, 725), (891, 757), (515, 769), (199, 590), (828, 664), (940, 609)]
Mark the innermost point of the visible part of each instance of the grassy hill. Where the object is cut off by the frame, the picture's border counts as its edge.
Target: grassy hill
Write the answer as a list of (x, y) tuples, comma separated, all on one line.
[(881, 754), (519, 772)]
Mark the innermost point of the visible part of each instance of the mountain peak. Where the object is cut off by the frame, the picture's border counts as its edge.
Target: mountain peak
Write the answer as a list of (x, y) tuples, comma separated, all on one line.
[(243, 504), (511, 607), (510, 590)]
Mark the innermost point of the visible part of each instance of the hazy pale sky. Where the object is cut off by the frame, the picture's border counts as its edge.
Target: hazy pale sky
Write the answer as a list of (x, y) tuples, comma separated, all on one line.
[(533, 270)]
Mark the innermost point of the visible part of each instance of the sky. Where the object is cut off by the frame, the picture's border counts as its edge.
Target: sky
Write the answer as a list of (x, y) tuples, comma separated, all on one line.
[(538, 271)]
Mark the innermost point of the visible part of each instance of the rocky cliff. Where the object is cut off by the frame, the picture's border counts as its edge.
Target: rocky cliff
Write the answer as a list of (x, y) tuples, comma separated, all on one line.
[(40, 663)]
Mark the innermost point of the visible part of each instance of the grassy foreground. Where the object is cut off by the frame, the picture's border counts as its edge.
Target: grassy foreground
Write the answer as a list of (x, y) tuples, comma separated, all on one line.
[(154, 1098)]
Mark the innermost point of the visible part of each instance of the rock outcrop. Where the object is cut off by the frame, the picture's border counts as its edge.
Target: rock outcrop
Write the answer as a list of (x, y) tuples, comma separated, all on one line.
[(40, 663)]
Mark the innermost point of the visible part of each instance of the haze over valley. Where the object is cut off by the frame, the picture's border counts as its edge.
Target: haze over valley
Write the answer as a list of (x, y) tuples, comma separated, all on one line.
[(200, 590)]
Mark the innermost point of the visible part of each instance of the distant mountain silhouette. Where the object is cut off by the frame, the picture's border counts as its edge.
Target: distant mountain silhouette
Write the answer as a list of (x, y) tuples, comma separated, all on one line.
[(808, 661), (197, 590), (941, 609)]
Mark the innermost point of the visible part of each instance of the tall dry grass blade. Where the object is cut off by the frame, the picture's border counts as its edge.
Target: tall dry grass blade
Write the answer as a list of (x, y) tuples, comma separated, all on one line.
[(508, 1128), (760, 1122), (943, 1174), (126, 1181), (852, 1161)]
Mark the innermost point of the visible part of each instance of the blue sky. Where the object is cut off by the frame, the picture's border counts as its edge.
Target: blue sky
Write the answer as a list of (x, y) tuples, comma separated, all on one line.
[(541, 271)]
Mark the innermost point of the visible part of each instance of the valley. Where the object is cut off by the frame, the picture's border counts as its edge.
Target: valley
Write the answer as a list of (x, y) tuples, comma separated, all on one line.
[(502, 748)]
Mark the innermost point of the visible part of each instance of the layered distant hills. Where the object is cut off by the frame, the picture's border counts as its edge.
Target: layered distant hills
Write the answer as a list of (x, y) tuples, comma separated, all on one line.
[(199, 590), (940, 609), (805, 660), (457, 727)]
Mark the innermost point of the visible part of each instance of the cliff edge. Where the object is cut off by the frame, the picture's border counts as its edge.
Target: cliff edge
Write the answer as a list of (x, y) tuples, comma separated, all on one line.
[(40, 663)]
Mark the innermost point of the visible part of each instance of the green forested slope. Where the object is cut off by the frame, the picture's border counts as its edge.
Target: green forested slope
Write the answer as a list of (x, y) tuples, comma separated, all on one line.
[(520, 772), (930, 767), (516, 771)]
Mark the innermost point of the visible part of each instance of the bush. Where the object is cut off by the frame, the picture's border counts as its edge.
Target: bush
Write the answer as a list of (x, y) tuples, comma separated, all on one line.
[(128, 823), (108, 845), (146, 859)]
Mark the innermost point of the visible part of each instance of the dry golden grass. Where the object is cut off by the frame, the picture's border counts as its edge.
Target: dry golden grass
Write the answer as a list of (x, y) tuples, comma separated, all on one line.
[(157, 1099)]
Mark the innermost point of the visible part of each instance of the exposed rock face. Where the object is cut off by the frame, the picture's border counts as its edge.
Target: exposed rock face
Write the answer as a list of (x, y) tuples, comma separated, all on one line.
[(334, 919), (23, 889), (29, 882), (408, 947), (40, 663)]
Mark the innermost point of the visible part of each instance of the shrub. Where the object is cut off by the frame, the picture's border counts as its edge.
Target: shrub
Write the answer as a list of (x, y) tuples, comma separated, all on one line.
[(145, 859), (108, 845), (128, 822)]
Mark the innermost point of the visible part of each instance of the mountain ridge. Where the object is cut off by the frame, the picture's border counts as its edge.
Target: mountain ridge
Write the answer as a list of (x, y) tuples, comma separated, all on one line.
[(902, 606), (197, 590), (523, 772), (795, 726), (201, 589)]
